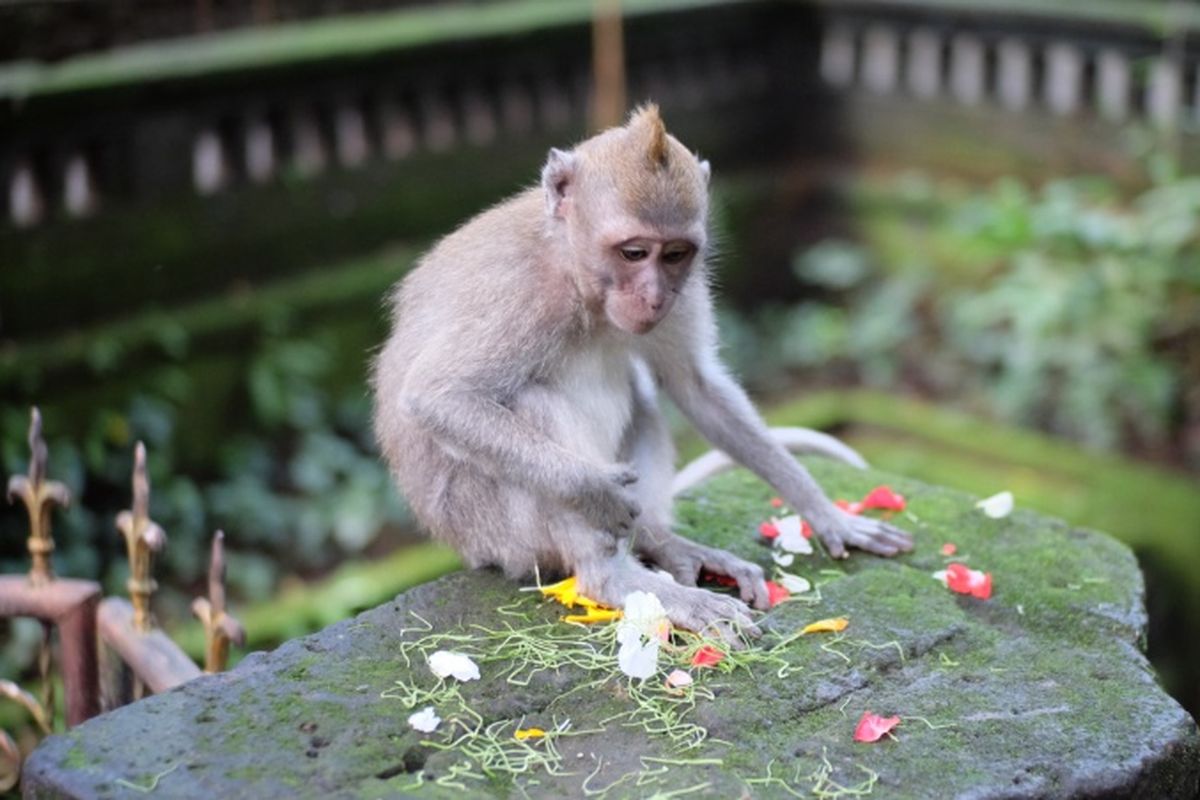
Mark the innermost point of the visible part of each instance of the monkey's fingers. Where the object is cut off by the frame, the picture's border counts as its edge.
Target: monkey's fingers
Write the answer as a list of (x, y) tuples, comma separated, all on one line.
[(875, 536), (716, 614), (751, 582)]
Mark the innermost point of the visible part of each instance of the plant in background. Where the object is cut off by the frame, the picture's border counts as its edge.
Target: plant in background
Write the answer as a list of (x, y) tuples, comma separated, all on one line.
[(298, 488), (1062, 307)]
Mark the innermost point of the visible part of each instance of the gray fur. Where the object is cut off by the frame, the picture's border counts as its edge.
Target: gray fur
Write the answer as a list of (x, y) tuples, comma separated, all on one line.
[(518, 414)]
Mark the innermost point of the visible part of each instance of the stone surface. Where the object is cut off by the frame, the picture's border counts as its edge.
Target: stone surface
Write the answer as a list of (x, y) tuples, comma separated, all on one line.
[(1041, 691)]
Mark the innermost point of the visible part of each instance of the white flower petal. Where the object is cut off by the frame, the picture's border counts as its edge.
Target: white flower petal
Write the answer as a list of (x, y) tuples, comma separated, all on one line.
[(794, 583), (678, 679), (997, 506), (643, 612), (444, 663), (638, 660), (940, 575), (790, 538), (426, 720), (783, 559)]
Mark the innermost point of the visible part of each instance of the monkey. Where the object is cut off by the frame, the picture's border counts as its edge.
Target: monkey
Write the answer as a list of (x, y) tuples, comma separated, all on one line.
[(515, 399)]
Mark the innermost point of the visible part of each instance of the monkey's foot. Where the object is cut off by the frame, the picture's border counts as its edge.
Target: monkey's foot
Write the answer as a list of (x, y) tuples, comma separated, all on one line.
[(685, 560), (609, 582), (710, 614), (840, 530)]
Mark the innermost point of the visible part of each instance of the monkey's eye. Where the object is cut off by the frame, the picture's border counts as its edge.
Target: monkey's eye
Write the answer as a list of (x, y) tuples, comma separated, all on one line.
[(634, 253), (676, 255)]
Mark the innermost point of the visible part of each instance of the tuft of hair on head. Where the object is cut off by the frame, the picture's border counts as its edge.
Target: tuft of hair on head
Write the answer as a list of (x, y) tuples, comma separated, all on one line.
[(647, 125)]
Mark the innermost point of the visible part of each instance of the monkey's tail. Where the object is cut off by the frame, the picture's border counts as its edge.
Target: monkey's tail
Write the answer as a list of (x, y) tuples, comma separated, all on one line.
[(796, 440)]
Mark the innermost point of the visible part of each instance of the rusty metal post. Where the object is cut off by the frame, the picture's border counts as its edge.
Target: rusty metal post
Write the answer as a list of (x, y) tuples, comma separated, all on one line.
[(608, 65), (40, 496), (219, 627), (143, 538), (70, 605)]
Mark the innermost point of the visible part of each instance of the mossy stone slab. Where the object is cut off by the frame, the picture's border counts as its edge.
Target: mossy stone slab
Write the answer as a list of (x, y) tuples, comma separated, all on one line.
[(1041, 691)]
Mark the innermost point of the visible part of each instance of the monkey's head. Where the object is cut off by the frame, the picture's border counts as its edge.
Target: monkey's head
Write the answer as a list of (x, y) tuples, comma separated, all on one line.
[(632, 203)]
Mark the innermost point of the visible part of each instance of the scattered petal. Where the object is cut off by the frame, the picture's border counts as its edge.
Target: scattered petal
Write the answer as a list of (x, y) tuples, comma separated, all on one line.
[(783, 559), (591, 616), (426, 720), (941, 575), (707, 656), (679, 679), (883, 498), (776, 594), (794, 583), (849, 507), (444, 664), (521, 734), (832, 625), (806, 530), (949, 549), (643, 627), (768, 530), (567, 593), (872, 727), (791, 537), (964, 580), (644, 613), (720, 580), (776, 502), (637, 658), (997, 506)]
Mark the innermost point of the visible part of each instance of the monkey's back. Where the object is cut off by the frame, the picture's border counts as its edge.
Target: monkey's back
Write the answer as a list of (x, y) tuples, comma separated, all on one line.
[(468, 318)]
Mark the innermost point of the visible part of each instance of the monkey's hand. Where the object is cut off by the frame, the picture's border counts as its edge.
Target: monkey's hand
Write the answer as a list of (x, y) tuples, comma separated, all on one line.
[(838, 529), (685, 560), (607, 501)]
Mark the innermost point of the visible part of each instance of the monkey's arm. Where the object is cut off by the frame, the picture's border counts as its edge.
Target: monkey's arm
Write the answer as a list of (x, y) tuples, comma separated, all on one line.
[(684, 357), (480, 429), (722, 412)]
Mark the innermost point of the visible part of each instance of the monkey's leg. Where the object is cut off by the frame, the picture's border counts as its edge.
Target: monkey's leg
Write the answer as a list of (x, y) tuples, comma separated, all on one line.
[(609, 575), (649, 450)]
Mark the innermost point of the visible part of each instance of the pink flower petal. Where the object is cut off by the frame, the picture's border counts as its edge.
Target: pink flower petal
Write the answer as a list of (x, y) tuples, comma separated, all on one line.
[(849, 507), (949, 549), (768, 530), (884, 499), (776, 502), (707, 656), (776, 594), (964, 580), (872, 727)]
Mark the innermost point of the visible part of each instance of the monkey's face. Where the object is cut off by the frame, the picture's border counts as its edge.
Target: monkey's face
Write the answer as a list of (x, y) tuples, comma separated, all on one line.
[(643, 274)]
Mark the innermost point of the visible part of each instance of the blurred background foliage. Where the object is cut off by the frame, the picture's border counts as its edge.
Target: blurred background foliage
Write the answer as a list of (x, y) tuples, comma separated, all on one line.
[(1071, 307), (1057, 305)]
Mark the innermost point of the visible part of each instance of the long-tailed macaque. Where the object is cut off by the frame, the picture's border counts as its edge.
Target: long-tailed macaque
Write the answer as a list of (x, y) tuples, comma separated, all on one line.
[(515, 399)]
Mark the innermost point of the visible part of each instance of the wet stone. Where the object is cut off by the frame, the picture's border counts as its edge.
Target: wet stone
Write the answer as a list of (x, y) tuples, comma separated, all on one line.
[(1041, 691)]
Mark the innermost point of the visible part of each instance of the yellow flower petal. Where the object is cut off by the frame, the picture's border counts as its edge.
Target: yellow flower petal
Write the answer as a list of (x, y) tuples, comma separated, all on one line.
[(529, 733), (832, 625), (567, 593)]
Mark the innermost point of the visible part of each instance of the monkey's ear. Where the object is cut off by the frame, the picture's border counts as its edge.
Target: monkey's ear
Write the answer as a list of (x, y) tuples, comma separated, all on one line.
[(705, 169), (557, 178)]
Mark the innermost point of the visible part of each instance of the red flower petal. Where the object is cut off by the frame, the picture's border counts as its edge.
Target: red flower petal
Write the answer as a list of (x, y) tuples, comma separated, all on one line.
[(776, 502), (707, 656), (806, 530), (884, 499), (776, 593), (848, 507), (949, 549), (872, 727), (720, 580), (768, 530), (964, 580)]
